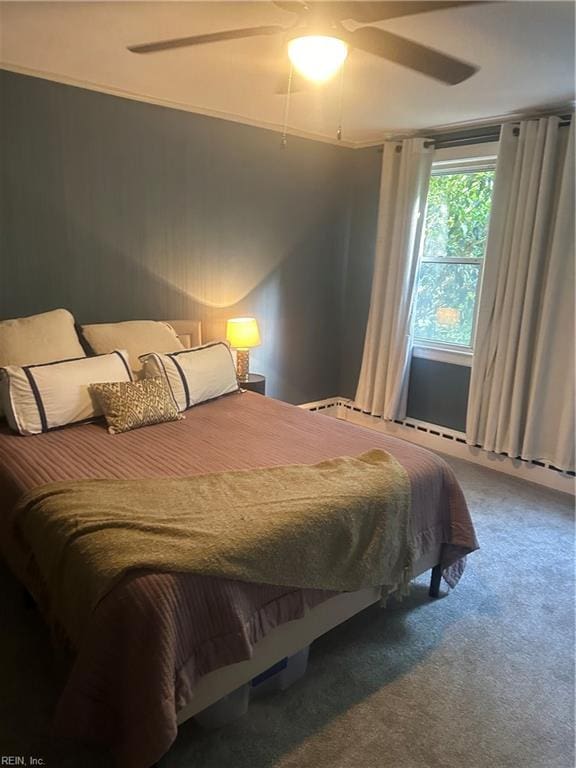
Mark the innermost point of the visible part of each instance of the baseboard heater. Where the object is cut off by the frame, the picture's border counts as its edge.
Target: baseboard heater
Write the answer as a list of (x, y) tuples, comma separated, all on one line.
[(446, 440)]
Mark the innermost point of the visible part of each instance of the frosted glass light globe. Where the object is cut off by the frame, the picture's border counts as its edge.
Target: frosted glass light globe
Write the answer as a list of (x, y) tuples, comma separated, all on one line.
[(317, 57)]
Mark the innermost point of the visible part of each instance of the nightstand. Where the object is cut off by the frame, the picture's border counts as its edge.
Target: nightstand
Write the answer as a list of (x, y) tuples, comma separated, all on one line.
[(256, 383)]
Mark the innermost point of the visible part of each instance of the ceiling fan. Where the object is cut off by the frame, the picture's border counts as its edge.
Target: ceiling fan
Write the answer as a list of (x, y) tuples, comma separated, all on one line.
[(318, 41)]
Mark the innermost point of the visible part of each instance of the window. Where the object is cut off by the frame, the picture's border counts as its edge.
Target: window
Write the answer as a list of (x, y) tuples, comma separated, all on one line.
[(452, 256)]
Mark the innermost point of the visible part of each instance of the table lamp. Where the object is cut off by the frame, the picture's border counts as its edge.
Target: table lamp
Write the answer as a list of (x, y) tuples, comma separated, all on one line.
[(242, 333)]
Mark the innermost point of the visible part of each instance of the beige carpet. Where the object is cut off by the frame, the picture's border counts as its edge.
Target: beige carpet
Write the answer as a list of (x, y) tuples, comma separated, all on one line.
[(481, 678)]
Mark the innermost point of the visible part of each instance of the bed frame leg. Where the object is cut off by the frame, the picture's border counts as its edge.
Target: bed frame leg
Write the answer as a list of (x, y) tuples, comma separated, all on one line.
[(435, 579)]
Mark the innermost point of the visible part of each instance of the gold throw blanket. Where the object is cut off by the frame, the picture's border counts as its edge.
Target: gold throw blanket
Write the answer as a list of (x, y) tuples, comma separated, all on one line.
[(339, 525)]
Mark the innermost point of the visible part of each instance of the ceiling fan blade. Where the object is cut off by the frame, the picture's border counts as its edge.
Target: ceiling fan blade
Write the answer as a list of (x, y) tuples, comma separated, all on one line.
[(292, 6), (211, 37), (380, 11), (418, 57)]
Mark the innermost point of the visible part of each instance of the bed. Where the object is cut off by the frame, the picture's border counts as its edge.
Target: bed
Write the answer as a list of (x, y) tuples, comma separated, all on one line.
[(164, 646), (146, 665)]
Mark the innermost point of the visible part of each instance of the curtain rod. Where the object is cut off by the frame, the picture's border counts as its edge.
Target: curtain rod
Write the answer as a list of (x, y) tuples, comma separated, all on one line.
[(483, 135)]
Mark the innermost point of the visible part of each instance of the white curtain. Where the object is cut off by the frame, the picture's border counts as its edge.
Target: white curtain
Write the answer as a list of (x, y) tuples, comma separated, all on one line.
[(383, 384), (521, 399)]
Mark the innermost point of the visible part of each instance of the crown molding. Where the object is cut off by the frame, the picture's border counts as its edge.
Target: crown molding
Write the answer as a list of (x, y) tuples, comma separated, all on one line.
[(430, 132), (527, 113), (561, 108), (168, 103)]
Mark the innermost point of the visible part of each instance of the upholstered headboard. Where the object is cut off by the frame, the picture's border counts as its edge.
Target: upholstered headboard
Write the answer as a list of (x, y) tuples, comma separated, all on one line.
[(189, 331)]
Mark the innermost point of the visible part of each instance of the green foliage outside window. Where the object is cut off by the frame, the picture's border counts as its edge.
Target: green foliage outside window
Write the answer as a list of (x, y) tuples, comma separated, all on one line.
[(446, 287), (457, 215), (456, 227)]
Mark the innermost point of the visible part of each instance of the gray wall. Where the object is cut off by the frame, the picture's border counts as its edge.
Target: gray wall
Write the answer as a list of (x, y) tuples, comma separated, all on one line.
[(118, 210), (364, 180), (438, 393)]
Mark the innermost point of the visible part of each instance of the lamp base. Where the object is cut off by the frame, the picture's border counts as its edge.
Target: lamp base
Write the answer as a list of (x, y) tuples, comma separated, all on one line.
[(243, 364)]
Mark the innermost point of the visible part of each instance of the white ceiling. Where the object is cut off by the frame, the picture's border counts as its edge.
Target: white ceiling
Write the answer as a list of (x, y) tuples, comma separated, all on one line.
[(525, 51)]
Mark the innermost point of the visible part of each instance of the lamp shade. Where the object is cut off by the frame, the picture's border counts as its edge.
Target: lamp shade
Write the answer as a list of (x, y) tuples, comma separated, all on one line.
[(242, 332)]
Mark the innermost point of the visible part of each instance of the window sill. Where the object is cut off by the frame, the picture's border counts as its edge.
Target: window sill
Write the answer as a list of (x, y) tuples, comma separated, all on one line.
[(443, 355)]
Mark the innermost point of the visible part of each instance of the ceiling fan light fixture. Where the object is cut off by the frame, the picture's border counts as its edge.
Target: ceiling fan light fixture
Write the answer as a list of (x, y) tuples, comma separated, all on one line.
[(317, 57)]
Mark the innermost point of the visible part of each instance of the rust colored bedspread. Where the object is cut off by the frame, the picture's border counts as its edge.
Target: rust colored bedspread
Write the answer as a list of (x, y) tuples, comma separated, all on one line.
[(128, 679)]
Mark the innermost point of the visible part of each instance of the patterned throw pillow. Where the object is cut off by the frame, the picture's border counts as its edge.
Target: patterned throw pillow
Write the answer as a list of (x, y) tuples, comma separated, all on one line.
[(131, 404)]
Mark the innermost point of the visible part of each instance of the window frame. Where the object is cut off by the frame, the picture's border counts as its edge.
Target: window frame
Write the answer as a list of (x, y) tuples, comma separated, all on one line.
[(473, 157)]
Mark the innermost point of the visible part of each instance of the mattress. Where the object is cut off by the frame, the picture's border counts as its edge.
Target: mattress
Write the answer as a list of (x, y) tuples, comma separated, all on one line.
[(155, 634)]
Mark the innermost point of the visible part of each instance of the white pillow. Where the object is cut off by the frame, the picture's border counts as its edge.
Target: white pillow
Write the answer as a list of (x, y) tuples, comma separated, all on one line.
[(39, 339), (38, 398), (137, 337), (195, 375)]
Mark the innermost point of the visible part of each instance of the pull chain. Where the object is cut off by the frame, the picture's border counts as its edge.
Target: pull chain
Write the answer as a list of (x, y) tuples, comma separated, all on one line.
[(284, 140), (341, 105)]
